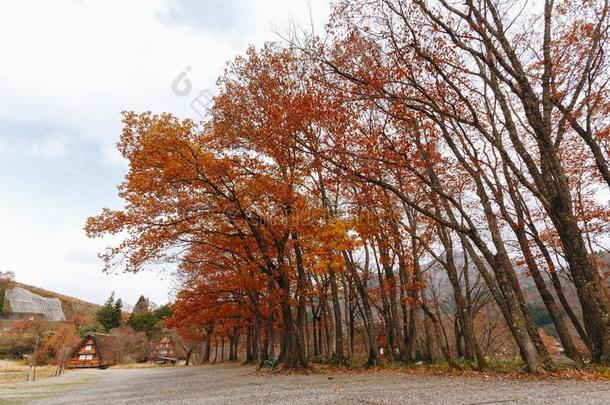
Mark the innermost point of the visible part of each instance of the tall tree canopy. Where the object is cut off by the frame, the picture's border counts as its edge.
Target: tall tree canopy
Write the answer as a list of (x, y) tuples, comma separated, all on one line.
[(348, 189)]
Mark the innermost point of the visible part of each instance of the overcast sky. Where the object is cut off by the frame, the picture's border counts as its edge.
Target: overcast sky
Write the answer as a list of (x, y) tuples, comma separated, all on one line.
[(68, 68)]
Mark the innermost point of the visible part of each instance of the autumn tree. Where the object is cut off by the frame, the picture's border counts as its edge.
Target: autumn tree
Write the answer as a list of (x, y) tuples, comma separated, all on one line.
[(60, 344), (418, 156)]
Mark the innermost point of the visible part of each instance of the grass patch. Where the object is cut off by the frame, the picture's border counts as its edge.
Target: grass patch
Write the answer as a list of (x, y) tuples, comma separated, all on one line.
[(506, 365), (16, 372), (496, 368), (603, 371)]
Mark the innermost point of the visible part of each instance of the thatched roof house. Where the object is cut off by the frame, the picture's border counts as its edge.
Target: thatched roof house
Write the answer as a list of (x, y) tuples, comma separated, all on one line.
[(167, 349), (95, 350)]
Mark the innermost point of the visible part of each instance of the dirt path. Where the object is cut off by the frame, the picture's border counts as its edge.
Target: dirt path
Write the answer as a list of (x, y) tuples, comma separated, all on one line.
[(239, 384)]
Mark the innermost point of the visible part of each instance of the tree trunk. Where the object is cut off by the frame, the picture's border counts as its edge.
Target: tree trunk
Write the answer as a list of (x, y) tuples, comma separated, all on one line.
[(271, 337), (463, 313), (592, 293), (301, 321), (437, 334), (393, 307), (249, 356), (291, 352), (222, 349), (339, 357), (369, 321), (189, 352), (207, 349), (314, 327), (326, 322)]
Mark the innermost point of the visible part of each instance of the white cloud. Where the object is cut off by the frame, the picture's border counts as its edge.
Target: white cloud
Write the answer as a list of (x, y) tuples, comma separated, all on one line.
[(111, 157), (6, 146), (73, 66), (52, 146), (81, 63)]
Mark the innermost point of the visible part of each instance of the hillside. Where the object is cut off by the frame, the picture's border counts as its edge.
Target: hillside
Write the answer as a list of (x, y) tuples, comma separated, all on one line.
[(71, 306)]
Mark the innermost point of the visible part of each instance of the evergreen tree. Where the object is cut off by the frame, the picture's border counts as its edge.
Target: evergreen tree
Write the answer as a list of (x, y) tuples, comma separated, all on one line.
[(149, 321), (109, 315)]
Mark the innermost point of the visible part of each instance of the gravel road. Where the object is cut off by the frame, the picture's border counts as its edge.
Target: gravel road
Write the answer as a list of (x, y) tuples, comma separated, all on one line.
[(220, 384)]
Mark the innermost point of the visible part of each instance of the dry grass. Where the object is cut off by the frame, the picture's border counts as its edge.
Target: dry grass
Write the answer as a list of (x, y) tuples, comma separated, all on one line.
[(15, 372), (506, 369)]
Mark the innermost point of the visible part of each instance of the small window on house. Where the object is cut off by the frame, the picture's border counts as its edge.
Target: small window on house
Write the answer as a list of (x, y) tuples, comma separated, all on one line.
[(89, 357), (88, 348), (82, 357), (162, 351)]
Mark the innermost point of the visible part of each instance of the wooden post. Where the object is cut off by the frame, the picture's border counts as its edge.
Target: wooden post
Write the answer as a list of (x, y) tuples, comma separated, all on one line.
[(33, 361)]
